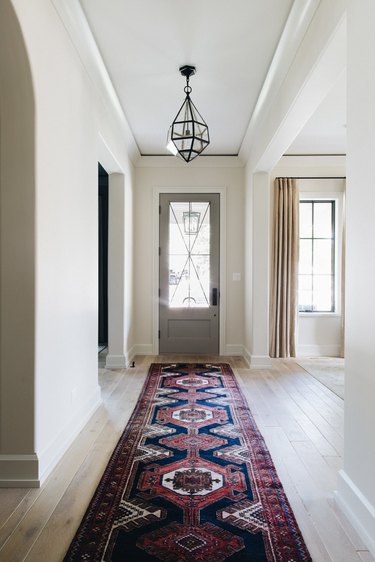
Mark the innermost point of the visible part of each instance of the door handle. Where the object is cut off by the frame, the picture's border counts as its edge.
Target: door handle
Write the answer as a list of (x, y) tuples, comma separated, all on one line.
[(214, 297)]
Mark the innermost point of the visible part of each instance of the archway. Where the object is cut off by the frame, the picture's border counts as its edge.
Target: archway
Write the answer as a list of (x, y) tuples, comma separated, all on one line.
[(18, 462)]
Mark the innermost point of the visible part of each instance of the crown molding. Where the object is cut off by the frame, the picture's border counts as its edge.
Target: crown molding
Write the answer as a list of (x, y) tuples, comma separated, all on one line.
[(200, 162), (74, 20), (298, 21)]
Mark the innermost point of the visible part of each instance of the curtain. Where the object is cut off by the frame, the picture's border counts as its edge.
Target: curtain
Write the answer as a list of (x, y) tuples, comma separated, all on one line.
[(284, 282)]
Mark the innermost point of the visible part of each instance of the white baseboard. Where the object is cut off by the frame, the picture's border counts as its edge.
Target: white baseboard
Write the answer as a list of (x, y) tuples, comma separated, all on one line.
[(19, 471), (116, 362), (129, 356), (233, 349), (30, 471), (121, 361), (53, 453), (356, 507), (147, 349), (143, 349), (260, 362), (246, 355), (318, 351), (257, 361)]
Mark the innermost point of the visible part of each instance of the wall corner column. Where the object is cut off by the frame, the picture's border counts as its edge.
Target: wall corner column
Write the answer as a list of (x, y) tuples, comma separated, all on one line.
[(260, 271), (117, 357)]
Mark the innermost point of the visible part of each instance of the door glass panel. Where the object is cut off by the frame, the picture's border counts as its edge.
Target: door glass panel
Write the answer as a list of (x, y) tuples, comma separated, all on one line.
[(189, 254)]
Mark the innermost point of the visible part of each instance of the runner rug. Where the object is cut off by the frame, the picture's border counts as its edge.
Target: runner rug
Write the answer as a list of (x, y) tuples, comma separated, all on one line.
[(190, 479)]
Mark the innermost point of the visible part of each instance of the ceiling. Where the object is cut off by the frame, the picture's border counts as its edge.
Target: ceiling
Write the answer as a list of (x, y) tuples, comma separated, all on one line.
[(143, 43)]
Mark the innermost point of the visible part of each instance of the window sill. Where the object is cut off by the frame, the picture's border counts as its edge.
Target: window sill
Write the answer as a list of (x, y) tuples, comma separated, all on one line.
[(315, 314)]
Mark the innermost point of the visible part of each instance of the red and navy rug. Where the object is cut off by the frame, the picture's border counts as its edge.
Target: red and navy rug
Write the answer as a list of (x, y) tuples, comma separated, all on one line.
[(190, 479)]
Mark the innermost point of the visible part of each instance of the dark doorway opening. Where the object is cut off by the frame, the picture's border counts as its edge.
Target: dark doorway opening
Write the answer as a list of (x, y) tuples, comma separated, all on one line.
[(103, 258)]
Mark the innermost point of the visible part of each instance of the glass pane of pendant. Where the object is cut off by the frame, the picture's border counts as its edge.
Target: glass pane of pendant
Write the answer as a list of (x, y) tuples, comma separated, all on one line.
[(189, 254)]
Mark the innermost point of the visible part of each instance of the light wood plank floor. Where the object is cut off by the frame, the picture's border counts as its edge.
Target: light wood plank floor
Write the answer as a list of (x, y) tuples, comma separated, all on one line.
[(300, 419)]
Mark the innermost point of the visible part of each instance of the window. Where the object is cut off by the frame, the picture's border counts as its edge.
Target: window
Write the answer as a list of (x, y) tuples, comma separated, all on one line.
[(316, 273)]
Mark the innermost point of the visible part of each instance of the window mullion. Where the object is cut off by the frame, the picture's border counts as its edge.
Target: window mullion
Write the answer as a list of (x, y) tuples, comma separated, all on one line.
[(312, 255)]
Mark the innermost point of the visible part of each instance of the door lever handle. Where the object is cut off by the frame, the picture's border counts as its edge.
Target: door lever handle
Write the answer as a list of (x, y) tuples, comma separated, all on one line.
[(214, 297)]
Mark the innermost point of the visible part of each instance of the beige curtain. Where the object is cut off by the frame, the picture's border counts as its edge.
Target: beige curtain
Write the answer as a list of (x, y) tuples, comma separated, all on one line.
[(284, 283)]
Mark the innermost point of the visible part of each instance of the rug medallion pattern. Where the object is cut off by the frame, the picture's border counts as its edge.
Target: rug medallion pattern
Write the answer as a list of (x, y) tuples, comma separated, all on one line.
[(190, 479)]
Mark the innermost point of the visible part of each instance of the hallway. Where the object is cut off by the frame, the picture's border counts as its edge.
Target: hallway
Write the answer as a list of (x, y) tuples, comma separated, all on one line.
[(300, 419)]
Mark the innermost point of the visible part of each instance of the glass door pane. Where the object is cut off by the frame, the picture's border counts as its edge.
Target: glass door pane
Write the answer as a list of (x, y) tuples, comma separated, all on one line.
[(189, 254)]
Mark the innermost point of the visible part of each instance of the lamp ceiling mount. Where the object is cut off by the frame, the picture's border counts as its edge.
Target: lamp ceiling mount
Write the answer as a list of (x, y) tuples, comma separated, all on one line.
[(187, 70)]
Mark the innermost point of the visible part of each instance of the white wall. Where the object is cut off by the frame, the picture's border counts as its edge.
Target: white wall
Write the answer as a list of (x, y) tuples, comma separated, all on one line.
[(248, 265), (319, 334), (257, 243), (70, 114), (17, 252), (356, 489), (284, 110), (179, 175)]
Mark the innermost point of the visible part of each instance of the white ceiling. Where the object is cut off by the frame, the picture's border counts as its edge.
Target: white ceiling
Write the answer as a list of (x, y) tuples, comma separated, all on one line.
[(144, 42)]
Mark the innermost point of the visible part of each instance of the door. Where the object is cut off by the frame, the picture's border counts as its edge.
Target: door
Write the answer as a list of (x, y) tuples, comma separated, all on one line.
[(103, 259), (189, 273)]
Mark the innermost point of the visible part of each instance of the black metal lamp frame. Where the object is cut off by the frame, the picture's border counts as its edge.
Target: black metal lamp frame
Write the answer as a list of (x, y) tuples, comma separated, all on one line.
[(188, 135)]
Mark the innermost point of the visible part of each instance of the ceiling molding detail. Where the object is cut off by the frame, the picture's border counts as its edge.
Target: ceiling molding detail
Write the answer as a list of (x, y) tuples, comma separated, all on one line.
[(75, 23), (318, 64), (294, 31), (201, 162)]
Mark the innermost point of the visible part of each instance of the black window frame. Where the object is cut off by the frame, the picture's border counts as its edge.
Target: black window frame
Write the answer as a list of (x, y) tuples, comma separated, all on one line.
[(333, 274)]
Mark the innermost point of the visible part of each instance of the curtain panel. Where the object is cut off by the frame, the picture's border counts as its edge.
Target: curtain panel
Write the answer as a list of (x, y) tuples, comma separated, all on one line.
[(284, 281)]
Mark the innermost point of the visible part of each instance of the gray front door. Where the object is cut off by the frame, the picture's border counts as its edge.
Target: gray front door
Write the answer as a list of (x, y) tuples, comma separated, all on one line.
[(189, 273)]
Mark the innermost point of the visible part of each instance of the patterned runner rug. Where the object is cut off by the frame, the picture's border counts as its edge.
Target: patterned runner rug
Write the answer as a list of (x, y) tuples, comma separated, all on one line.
[(190, 479)]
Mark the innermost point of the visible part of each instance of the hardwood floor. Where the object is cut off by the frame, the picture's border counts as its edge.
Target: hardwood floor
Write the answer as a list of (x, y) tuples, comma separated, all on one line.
[(300, 419)]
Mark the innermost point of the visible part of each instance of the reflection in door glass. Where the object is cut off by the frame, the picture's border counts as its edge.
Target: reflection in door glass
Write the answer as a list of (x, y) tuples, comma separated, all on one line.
[(189, 254)]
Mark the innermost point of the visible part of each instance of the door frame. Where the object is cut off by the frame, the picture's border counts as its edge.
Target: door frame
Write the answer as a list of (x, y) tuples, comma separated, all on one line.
[(222, 256)]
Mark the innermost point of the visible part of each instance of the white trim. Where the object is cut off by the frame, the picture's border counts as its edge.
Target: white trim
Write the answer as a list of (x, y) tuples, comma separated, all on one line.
[(55, 450), (319, 314), (260, 362), (234, 349), (169, 161), (143, 349), (294, 32), (223, 235), (318, 63), (19, 471), (30, 471), (359, 511), (256, 361), (123, 361), (247, 355), (129, 355), (78, 29), (318, 350), (318, 165), (116, 362)]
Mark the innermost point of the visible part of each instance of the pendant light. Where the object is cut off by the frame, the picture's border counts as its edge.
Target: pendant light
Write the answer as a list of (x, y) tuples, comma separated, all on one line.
[(188, 135)]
